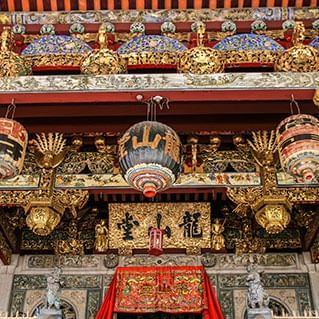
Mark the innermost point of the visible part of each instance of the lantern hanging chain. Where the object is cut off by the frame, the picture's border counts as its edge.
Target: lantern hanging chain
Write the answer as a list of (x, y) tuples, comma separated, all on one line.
[(152, 104), (11, 108), (293, 103), (150, 110)]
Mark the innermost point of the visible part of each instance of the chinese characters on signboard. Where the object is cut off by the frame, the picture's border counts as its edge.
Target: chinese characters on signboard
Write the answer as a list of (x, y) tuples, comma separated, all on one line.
[(189, 224)]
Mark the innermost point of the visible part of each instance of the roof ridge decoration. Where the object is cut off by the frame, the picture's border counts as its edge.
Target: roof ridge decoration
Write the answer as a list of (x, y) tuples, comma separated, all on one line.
[(55, 50), (11, 63), (103, 60), (299, 58), (152, 50), (249, 48), (201, 59)]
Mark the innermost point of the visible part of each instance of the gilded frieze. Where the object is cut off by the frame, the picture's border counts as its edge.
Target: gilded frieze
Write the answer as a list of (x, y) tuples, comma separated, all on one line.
[(30, 241), (131, 82), (228, 261), (65, 181), (188, 224)]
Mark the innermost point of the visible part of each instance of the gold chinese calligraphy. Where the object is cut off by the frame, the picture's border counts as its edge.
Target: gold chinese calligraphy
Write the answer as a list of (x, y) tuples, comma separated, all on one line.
[(184, 224)]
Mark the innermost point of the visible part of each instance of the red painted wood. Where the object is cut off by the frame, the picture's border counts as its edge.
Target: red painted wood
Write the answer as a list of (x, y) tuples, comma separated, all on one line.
[(198, 95)]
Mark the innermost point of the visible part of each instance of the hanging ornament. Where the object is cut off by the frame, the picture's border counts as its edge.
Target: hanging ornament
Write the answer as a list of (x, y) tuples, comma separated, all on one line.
[(298, 142), (13, 145), (150, 154), (156, 242), (156, 235)]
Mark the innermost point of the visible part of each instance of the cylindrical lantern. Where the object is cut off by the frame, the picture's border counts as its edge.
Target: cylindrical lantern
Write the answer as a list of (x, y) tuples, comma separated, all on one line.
[(273, 218), (156, 242), (298, 141), (150, 157), (42, 220), (13, 145)]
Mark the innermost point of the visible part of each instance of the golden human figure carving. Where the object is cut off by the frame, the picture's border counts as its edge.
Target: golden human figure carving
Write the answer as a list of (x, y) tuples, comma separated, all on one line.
[(218, 240), (101, 237), (102, 36), (201, 29), (5, 39)]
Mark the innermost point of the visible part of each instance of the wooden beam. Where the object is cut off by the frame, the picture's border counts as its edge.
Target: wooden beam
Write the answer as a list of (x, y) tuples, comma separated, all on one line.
[(173, 96)]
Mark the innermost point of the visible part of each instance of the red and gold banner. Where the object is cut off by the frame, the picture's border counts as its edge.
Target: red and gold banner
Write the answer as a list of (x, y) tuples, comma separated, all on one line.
[(174, 289), (165, 289)]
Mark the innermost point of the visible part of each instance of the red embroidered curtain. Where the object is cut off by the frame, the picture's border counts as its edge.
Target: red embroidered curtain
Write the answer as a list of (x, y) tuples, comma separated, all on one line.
[(165, 289)]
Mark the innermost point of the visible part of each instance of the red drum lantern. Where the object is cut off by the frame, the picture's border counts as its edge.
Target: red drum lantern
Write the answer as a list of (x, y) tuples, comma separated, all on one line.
[(298, 141), (150, 157), (156, 242), (13, 145)]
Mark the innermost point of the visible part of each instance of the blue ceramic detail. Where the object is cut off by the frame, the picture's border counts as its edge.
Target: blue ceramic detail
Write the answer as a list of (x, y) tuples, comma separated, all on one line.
[(151, 43), (248, 42), (315, 43), (56, 44)]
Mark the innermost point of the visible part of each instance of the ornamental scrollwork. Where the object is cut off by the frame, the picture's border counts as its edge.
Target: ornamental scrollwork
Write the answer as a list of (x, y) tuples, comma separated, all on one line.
[(244, 198), (96, 162)]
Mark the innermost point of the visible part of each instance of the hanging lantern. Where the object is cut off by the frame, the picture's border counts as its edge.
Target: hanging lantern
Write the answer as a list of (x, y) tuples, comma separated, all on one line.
[(298, 141), (273, 218), (13, 145), (156, 242), (150, 157), (43, 215)]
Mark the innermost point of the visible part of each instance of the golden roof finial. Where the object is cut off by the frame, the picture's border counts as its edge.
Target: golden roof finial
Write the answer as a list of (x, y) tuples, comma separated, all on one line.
[(299, 34)]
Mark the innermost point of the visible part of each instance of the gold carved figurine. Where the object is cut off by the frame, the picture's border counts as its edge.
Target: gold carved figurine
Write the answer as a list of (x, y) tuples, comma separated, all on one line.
[(103, 61), (102, 36), (218, 239), (101, 237), (5, 39)]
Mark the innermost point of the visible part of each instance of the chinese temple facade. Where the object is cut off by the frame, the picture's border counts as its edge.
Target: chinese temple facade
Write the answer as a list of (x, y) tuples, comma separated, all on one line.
[(153, 152)]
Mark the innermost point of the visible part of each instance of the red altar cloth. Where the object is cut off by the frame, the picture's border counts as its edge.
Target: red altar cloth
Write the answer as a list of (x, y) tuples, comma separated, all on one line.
[(161, 289)]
